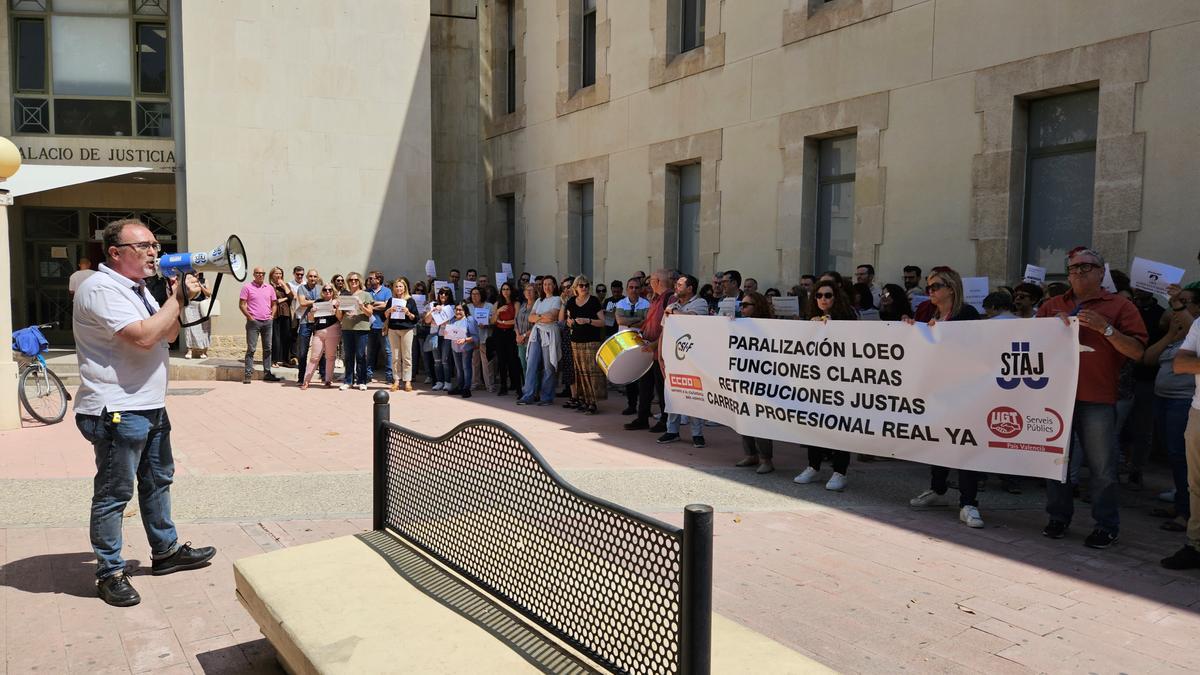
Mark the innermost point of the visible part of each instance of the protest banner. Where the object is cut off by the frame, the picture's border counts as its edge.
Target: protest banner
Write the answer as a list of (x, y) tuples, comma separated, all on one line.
[(972, 395)]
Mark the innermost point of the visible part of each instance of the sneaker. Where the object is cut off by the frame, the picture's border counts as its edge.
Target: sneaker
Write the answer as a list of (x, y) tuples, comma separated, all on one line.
[(437, 387), (362, 387), (659, 428), (697, 441), (1055, 529), (1186, 558), (929, 498), (970, 515), (344, 387), (668, 438), (522, 401), (629, 411), (117, 591), (427, 380), (545, 403), (186, 558), (807, 476), (1168, 496), (246, 379), (187, 355), (837, 482), (1100, 539), (271, 377), (466, 393), (637, 424), (765, 466)]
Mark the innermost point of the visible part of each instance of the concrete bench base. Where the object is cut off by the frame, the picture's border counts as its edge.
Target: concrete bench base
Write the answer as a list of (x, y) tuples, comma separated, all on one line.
[(371, 604)]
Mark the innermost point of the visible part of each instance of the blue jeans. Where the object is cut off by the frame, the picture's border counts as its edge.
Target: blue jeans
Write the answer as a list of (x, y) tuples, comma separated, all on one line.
[(1094, 425), (138, 445), (354, 352), (462, 362), (373, 342), (305, 337), (696, 423), (538, 356), (1171, 416)]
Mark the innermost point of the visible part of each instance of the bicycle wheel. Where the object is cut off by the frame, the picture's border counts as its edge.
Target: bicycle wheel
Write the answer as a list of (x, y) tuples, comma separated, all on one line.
[(43, 394)]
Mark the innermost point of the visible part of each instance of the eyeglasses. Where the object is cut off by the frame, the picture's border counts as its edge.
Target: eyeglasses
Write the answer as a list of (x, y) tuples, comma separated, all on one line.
[(936, 286), (354, 280), (824, 296), (143, 246), (259, 274), (1081, 268)]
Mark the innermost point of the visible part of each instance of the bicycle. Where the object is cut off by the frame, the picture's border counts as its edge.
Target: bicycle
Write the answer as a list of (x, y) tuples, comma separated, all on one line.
[(42, 393)]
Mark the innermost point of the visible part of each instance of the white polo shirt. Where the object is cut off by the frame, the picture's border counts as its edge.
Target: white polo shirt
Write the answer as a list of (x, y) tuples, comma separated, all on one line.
[(116, 374)]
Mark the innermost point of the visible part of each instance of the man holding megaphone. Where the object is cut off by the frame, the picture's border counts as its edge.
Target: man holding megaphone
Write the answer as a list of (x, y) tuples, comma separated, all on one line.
[(121, 336)]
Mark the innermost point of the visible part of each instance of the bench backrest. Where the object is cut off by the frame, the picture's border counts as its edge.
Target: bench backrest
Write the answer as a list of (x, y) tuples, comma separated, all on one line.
[(630, 592)]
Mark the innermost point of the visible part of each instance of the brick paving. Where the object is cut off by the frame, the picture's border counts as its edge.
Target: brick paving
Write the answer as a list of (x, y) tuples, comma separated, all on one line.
[(857, 581)]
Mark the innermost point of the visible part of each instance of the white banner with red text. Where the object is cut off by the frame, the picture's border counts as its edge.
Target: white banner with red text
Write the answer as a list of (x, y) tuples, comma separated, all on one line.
[(994, 396)]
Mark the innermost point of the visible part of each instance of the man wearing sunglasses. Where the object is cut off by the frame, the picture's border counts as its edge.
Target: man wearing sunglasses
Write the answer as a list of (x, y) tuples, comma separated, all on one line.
[(121, 336), (307, 294), (1112, 331)]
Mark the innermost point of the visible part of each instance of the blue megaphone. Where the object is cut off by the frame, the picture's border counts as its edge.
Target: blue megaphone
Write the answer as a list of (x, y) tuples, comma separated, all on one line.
[(227, 259)]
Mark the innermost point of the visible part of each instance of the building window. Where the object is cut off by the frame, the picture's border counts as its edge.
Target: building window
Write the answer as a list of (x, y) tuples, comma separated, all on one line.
[(509, 204), (585, 242), (691, 25), (510, 47), (835, 204), (587, 42), (1060, 176), (91, 67), (687, 249)]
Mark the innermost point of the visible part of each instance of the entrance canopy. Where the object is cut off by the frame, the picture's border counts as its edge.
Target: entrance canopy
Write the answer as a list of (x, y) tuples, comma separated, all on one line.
[(41, 177)]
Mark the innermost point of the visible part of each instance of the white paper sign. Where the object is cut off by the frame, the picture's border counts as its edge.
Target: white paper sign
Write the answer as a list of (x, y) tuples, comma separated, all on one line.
[(443, 314), (786, 307), (439, 285), (956, 394), (396, 310), (322, 309), (467, 286), (917, 299), (728, 307), (975, 289), (1155, 277), (1034, 275), (502, 278), (506, 268), (420, 300), (347, 303), (483, 315), (455, 332), (1108, 284), (430, 268)]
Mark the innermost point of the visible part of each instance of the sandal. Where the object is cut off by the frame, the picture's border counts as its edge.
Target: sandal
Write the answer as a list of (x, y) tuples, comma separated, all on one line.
[(571, 403)]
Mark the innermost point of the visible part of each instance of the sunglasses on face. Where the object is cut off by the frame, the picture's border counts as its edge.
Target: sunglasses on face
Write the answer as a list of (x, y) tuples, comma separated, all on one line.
[(936, 286), (824, 296), (327, 288)]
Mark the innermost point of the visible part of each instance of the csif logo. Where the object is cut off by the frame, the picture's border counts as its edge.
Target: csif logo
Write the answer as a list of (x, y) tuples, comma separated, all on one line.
[(1020, 365), (683, 345), (1005, 422)]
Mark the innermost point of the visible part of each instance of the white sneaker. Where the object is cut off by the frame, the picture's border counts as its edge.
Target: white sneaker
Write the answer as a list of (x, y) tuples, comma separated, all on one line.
[(187, 354), (970, 516), (344, 387), (429, 379), (807, 476), (437, 387), (362, 387), (929, 498), (837, 482)]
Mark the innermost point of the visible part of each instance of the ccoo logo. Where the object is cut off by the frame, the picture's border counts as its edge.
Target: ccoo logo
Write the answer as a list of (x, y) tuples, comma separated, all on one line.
[(1005, 422), (1020, 365)]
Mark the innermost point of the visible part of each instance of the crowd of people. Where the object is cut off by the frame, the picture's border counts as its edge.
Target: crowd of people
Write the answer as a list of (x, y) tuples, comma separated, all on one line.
[(536, 339)]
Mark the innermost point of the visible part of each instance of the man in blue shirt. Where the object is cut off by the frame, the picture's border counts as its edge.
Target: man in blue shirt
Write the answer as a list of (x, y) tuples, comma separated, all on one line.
[(378, 290), (307, 293)]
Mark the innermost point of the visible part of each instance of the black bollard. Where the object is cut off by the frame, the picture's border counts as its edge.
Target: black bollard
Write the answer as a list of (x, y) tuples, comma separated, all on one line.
[(383, 413), (696, 648)]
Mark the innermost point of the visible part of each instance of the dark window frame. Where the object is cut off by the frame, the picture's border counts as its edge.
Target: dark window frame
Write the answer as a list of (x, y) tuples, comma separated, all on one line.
[(822, 252), (587, 44), (691, 25)]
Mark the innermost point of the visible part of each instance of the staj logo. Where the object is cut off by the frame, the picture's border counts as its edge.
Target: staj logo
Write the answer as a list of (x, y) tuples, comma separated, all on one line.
[(1005, 422), (1019, 365), (683, 345)]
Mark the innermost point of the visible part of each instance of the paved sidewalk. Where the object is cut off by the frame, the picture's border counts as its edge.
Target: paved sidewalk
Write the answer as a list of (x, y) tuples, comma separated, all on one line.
[(856, 580)]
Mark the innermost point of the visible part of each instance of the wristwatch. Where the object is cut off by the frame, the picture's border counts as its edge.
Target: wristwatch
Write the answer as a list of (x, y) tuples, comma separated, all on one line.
[(1108, 332)]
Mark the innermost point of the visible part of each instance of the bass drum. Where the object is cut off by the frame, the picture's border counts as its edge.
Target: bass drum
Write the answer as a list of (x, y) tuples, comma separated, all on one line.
[(622, 359)]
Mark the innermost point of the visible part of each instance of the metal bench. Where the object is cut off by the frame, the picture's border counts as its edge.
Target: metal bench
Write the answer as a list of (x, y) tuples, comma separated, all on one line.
[(482, 559)]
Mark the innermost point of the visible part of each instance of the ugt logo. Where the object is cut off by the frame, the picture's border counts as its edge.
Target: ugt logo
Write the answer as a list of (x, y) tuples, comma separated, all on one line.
[(683, 345), (1019, 365)]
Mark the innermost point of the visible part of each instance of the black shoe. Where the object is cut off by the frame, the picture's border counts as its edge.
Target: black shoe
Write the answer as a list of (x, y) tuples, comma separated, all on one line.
[(629, 411), (658, 428), (466, 393), (270, 377), (502, 392), (697, 441), (1055, 529), (637, 424), (1186, 558), (668, 438), (246, 379), (186, 558), (1100, 539), (591, 410), (117, 591), (522, 401), (572, 403)]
